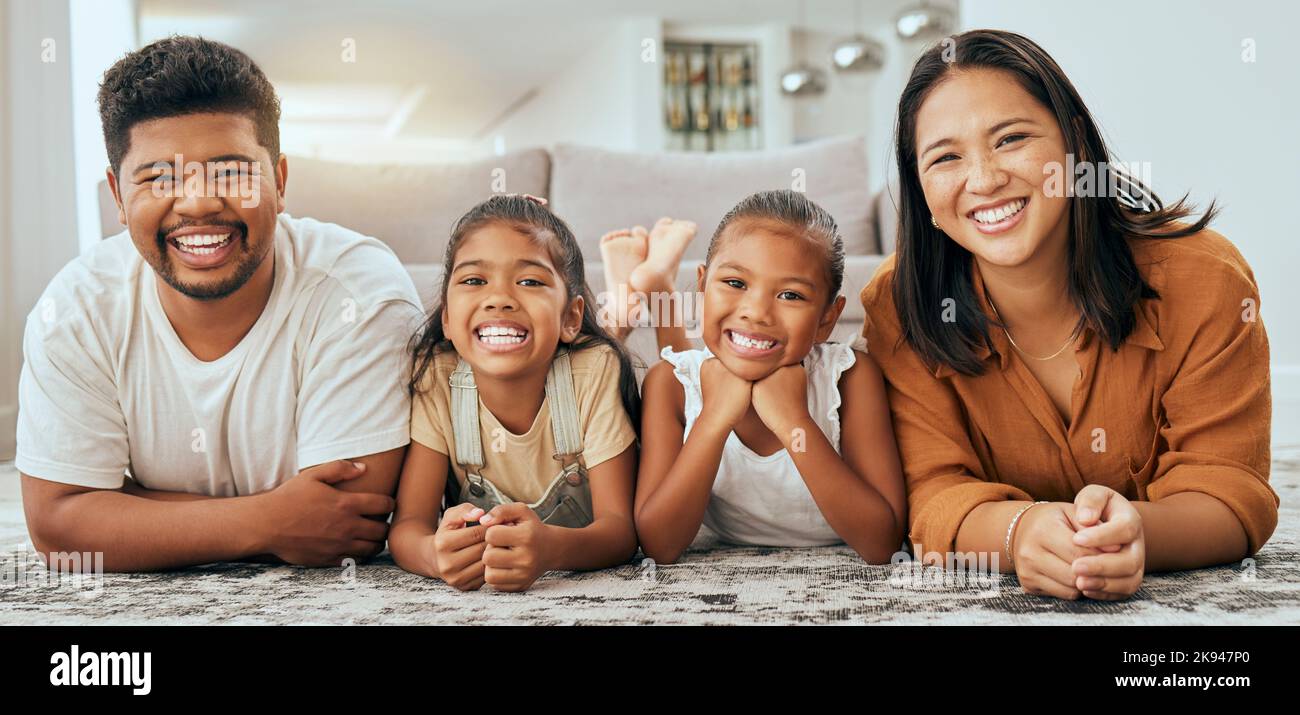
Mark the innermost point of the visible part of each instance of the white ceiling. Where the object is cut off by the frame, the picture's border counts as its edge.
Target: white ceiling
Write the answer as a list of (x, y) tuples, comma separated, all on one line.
[(446, 70)]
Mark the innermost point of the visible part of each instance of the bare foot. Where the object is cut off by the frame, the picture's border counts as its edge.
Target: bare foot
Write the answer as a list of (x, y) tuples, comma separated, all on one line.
[(621, 252), (668, 240)]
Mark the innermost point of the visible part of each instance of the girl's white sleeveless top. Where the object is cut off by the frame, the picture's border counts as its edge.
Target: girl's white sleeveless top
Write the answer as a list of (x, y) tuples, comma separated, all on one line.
[(763, 500)]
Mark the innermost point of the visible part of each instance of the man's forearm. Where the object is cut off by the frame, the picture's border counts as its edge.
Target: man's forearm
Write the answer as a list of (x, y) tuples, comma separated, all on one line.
[(136, 533), (132, 487)]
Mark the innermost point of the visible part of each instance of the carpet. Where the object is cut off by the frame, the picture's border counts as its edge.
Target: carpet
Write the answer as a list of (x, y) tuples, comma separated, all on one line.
[(712, 584)]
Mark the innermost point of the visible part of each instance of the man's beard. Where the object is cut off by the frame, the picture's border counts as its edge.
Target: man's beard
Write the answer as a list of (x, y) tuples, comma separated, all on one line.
[(247, 264)]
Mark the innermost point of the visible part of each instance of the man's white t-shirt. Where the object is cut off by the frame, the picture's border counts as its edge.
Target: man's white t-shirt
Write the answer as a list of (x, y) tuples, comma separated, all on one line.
[(107, 386)]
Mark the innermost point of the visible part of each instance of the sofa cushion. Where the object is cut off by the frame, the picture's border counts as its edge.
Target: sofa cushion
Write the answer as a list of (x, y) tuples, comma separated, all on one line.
[(410, 207), (596, 190)]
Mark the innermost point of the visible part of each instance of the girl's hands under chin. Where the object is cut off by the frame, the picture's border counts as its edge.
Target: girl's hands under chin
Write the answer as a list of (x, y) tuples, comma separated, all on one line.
[(726, 397), (1110, 526), (781, 399)]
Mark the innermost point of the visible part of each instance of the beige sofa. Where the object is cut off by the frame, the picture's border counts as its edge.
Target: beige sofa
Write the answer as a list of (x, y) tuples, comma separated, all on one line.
[(412, 208)]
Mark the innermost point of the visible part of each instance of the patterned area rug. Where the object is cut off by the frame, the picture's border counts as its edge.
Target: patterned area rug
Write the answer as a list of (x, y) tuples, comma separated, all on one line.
[(712, 584)]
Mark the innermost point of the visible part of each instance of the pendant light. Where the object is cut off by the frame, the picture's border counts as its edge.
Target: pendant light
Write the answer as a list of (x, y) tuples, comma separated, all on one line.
[(923, 21), (857, 53), (802, 79)]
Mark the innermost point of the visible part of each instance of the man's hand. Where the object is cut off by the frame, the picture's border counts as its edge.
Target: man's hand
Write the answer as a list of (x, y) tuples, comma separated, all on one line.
[(458, 549), (314, 523), (1108, 523), (517, 551)]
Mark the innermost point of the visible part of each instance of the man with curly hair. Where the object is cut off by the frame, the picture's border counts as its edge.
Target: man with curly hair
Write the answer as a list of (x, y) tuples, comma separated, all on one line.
[(221, 381)]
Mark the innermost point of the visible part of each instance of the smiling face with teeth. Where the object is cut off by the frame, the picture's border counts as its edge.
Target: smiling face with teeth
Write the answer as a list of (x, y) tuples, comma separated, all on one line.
[(204, 246), (766, 299), (507, 307), (983, 143)]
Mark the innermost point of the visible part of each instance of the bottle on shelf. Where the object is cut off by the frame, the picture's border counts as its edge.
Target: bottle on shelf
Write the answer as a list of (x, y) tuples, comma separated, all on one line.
[(710, 96)]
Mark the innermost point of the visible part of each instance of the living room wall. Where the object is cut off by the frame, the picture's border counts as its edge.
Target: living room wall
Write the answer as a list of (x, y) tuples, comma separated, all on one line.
[(608, 98), (9, 316), (38, 224)]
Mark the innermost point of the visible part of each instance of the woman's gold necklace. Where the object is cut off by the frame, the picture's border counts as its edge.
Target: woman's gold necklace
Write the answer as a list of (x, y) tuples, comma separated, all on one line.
[(1020, 350)]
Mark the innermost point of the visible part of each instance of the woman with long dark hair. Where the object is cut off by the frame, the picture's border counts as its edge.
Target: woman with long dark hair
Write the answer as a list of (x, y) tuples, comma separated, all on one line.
[(1078, 377)]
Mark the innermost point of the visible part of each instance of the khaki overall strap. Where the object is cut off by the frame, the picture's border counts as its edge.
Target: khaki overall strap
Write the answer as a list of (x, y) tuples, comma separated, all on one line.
[(564, 414), (464, 418), (564, 407)]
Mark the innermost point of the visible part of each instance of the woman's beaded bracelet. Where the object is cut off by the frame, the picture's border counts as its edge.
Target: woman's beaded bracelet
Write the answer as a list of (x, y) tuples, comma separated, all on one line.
[(1011, 528)]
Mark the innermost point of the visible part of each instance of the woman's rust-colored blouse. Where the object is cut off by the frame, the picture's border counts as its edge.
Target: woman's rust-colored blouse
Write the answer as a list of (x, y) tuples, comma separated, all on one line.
[(1182, 406)]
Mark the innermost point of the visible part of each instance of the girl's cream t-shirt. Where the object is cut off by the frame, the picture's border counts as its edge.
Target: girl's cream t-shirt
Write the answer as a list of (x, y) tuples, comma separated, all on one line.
[(523, 465)]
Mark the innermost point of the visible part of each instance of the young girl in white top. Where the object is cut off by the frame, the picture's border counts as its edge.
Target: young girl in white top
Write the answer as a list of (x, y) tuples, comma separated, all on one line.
[(770, 435)]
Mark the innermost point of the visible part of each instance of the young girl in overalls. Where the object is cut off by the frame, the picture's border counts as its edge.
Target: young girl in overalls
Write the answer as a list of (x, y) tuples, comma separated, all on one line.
[(770, 435), (522, 413)]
